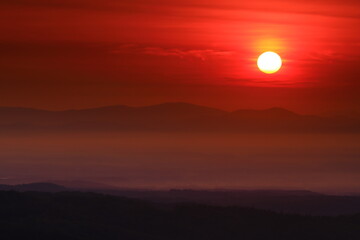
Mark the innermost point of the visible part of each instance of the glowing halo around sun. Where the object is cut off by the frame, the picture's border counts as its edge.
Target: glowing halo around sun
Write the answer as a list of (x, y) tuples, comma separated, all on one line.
[(269, 62)]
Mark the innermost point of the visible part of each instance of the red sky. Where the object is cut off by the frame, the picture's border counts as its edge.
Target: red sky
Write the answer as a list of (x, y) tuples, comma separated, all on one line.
[(63, 54)]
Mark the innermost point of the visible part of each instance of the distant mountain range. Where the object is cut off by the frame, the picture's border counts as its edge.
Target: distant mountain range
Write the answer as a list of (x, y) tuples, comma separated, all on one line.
[(171, 117), (37, 187), (287, 201)]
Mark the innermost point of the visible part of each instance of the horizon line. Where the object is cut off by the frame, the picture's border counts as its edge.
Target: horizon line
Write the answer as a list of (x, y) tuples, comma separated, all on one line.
[(151, 105)]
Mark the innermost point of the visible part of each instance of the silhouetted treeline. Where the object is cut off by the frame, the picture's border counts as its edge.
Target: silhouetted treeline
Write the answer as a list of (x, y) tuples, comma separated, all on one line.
[(75, 215)]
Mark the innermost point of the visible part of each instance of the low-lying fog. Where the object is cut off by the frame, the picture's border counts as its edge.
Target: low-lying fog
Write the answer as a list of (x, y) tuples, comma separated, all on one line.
[(328, 163)]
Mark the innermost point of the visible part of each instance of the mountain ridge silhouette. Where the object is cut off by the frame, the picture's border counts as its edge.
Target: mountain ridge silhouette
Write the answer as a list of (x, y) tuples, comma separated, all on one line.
[(175, 116)]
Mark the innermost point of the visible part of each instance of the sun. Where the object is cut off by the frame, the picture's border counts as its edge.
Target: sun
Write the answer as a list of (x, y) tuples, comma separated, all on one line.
[(269, 62)]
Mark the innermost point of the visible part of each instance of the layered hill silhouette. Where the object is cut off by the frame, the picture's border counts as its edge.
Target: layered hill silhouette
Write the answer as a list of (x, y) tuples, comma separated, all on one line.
[(281, 201), (171, 117), (76, 215)]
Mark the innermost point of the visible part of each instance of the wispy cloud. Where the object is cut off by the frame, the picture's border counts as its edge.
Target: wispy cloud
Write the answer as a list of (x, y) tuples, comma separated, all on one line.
[(202, 54)]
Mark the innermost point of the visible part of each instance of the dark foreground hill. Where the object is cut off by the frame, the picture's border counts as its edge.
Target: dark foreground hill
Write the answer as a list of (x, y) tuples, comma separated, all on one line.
[(75, 215), (282, 201)]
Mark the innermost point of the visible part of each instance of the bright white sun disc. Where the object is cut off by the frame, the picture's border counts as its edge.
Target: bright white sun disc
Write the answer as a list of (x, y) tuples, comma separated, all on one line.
[(269, 62)]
